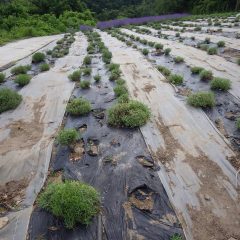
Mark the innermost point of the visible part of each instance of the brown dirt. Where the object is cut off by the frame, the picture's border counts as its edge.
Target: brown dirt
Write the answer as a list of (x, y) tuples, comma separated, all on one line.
[(221, 228), (24, 134), (148, 87), (12, 194), (145, 202), (77, 151)]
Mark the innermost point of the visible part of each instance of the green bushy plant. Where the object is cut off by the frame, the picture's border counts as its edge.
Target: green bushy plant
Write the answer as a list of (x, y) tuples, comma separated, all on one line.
[(115, 74), (124, 98), (131, 114), (78, 107), (9, 99), (20, 69), (87, 60), (120, 90), (2, 77), (202, 99), (212, 51), (176, 79), (165, 71), (178, 59), (68, 136), (158, 46), (97, 78), (221, 44), (113, 66), (22, 79), (238, 123), (220, 84), (73, 201), (145, 51), (196, 70), (38, 57), (120, 81), (44, 67), (87, 71), (167, 51), (85, 84), (75, 76), (206, 75), (176, 237)]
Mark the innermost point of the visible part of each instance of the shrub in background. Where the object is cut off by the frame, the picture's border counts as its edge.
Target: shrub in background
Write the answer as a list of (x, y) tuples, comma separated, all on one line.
[(165, 71), (220, 84), (2, 77), (178, 59), (212, 51), (120, 90), (9, 99), (167, 51), (238, 124), (87, 60), (78, 107), (22, 79), (97, 78), (87, 71), (85, 84), (206, 75), (73, 201), (145, 51), (202, 99), (158, 46), (38, 57), (44, 67), (176, 79), (196, 70), (120, 81), (221, 44), (20, 69), (75, 76)]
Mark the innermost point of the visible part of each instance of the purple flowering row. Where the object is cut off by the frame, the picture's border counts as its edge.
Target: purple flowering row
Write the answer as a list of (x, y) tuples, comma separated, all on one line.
[(141, 20)]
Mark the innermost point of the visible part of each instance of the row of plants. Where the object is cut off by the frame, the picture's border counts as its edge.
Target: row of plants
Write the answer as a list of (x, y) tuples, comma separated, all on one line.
[(198, 99), (10, 99), (205, 45), (125, 113)]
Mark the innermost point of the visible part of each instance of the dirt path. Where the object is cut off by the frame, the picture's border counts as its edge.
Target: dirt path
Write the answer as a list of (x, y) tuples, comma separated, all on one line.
[(230, 42), (27, 135), (192, 154), (15, 51), (195, 57)]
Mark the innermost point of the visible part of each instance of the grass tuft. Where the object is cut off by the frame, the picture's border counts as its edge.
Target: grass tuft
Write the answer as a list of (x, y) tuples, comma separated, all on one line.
[(220, 84), (68, 136), (20, 69), (196, 70), (38, 57), (22, 79), (202, 99), (85, 84), (75, 76), (206, 75), (9, 99), (2, 77), (131, 114), (178, 59), (73, 201), (44, 67), (78, 107), (176, 79), (145, 51)]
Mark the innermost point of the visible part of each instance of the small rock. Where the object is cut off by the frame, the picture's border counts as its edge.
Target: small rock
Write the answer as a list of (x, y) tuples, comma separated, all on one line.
[(93, 151), (207, 198), (3, 222)]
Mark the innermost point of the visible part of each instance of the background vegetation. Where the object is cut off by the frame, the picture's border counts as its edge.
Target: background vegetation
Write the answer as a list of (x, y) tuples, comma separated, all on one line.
[(30, 18)]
